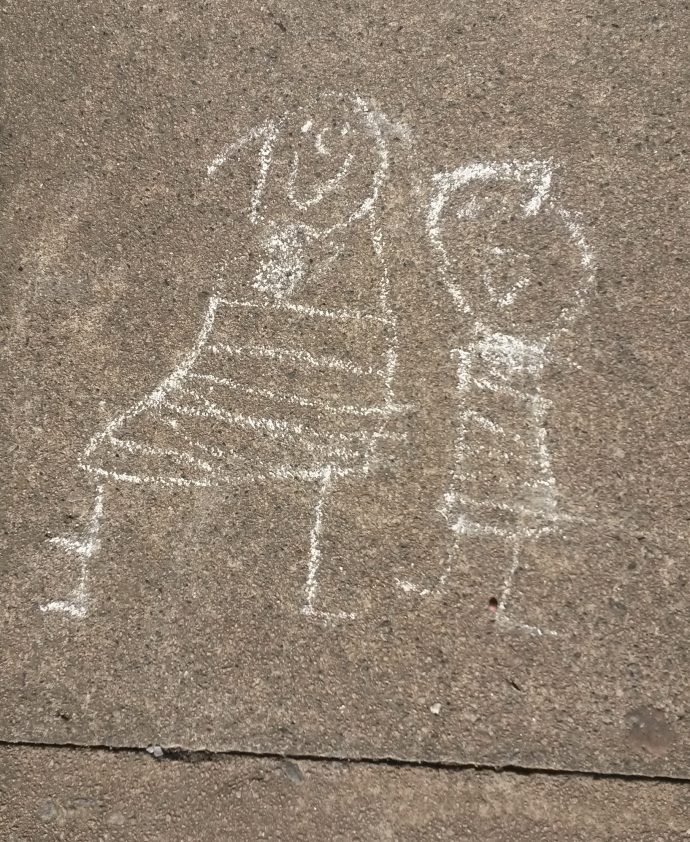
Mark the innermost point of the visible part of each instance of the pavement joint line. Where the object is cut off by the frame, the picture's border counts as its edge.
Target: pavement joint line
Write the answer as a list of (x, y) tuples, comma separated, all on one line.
[(178, 754)]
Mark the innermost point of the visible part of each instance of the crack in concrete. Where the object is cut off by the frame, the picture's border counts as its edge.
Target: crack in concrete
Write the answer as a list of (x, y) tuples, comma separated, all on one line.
[(178, 754)]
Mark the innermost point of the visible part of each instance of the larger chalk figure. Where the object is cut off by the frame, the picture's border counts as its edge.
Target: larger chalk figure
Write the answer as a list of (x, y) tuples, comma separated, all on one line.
[(519, 270), (299, 373)]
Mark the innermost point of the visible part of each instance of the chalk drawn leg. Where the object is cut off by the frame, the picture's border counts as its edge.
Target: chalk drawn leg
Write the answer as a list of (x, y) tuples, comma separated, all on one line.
[(83, 549), (311, 587), (503, 618)]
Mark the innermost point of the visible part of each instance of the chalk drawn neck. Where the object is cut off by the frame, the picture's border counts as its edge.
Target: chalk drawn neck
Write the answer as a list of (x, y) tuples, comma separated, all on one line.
[(283, 264), (511, 353)]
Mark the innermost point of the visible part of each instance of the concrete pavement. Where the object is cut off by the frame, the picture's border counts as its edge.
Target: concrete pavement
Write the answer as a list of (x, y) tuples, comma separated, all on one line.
[(346, 386), (98, 795)]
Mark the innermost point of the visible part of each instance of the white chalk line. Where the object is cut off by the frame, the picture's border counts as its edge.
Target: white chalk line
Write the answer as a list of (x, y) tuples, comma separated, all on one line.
[(271, 426), (170, 383), (315, 556), (230, 149), (306, 310), (308, 403), (502, 618), (510, 508), (314, 539), (277, 428), (384, 302), (179, 456), (265, 156), (472, 415), (409, 587), (296, 355), (285, 472), (508, 298), (210, 449)]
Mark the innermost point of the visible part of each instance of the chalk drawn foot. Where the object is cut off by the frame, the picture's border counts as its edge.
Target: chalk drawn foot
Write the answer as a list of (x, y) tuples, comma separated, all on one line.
[(432, 584), (75, 607), (315, 557), (75, 604), (432, 587), (82, 549), (327, 617), (425, 586), (507, 623), (504, 619)]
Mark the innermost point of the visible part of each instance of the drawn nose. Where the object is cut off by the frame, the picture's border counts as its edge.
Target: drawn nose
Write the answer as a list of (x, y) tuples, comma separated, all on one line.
[(505, 275)]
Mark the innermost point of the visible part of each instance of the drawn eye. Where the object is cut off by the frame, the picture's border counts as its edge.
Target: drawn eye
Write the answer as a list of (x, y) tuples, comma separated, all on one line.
[(319, 139), (470, 210)]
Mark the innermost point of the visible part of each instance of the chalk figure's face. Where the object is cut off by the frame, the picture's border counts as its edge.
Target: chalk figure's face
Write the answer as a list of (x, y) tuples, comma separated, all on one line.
[(327, 167), (508, 257)]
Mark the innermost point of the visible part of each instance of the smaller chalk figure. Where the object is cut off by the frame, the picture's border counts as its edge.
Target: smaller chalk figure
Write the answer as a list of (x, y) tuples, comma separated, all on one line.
[(519, 272), (293, 380)]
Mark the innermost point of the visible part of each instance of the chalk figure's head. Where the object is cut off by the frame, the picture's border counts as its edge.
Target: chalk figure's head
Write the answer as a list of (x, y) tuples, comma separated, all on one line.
[(510, 257), (322, 167)]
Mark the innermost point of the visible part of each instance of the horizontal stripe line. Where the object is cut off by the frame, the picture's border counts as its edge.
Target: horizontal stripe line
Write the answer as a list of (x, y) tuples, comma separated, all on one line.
[(278, 429), (259, 351), (305, 310), (313, 403), (310, 438), (151, 450), (284, 472)]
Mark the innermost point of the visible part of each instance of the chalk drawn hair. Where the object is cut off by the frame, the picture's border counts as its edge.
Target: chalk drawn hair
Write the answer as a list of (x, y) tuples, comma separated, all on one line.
[(323, 165)]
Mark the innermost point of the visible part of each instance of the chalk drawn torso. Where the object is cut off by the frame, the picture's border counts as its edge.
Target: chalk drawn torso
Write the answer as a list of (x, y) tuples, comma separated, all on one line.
[(306, 358)]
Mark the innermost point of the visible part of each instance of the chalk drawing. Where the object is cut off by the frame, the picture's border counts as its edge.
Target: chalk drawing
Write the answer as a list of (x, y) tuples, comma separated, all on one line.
[(316, 196), (302, 425), (502, 484)]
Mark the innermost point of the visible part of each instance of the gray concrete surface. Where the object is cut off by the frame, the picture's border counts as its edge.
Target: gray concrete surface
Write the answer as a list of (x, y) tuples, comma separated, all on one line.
[(212, 463), (100, 796)]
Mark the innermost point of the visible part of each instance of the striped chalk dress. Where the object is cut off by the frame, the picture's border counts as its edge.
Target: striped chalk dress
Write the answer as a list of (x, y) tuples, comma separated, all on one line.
[(290, 383)]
